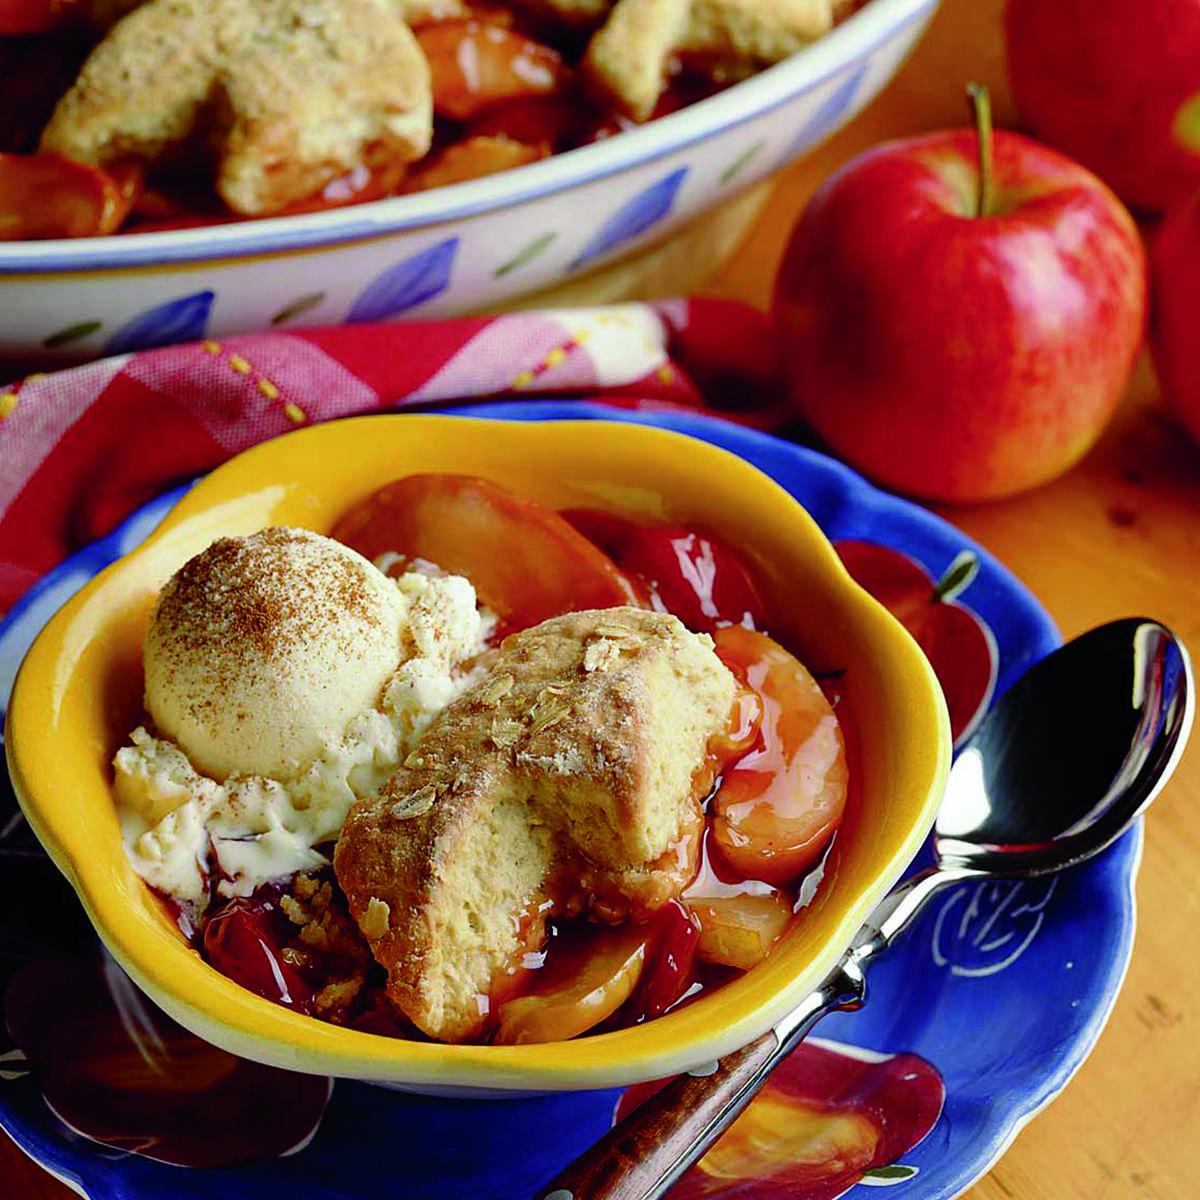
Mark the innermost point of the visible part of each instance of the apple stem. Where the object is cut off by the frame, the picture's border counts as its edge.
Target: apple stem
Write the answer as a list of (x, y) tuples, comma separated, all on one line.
[(981, 103), (959, 576)]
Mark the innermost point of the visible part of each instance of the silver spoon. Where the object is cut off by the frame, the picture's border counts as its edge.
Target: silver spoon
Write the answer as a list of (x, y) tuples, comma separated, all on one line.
[(1070, 756)]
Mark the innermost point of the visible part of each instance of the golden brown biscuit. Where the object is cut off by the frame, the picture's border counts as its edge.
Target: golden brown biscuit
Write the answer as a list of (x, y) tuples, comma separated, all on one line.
[(288, 94), (578, 751), (626, 61), (755, 32)]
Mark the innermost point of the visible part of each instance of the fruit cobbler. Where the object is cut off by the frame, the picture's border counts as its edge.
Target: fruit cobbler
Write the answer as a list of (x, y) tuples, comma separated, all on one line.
[(156, 114), (472, 769)]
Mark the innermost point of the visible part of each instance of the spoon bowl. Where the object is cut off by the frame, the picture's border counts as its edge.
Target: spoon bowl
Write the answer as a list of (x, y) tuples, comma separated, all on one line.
[(1071, 755)]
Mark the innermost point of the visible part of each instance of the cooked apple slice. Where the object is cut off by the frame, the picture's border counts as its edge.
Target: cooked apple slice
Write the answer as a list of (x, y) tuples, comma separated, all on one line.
[(472, 158), (545, 122), (525, 561), (739, 930), (476, 66), (670, 968), (778, 805), (699, 578), (584, 986), (49, 196)]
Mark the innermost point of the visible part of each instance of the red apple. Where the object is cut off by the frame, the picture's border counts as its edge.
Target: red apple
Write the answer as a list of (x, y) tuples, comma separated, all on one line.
[(961, 331), (1115, 84), (1175, 257)]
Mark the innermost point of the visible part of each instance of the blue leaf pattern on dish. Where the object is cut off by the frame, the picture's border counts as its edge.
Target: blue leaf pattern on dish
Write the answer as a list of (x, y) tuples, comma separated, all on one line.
[(406, 284), (829, 112), (634, 217), (181, 320)]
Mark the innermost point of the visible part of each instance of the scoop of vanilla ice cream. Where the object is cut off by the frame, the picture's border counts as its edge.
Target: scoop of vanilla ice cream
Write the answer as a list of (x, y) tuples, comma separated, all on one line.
[(263, 649), (270, 725)]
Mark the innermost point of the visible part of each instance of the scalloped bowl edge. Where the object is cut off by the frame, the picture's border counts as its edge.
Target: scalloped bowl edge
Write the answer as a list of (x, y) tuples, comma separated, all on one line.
[(77, 694)]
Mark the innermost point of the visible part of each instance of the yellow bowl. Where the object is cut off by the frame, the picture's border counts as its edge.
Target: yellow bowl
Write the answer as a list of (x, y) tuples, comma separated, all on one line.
[(78, 695)]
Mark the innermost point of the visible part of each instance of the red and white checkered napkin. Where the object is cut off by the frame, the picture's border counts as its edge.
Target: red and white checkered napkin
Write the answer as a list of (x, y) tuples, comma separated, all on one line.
[(80, 449)]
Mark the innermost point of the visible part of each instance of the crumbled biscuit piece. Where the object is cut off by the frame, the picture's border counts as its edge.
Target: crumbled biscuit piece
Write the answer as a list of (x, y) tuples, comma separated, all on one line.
[(626, 61), (754, 33), (290, 93), (337, 995), (328, 941), (306, 886), (310, 906)]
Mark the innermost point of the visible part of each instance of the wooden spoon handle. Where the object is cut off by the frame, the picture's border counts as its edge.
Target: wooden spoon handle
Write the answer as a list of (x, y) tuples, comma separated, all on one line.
[(645, 1153), (641, 1156)]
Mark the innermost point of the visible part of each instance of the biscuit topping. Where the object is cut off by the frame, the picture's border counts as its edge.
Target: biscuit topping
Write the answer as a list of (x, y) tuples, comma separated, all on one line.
[(289, 94), (545, 761), (627, 60)]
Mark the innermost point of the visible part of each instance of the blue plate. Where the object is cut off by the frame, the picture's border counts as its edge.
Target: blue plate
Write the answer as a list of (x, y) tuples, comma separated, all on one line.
[(1003, 988)]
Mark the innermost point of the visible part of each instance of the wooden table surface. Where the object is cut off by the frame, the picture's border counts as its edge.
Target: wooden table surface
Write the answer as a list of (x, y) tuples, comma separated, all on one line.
[(1117, 536)]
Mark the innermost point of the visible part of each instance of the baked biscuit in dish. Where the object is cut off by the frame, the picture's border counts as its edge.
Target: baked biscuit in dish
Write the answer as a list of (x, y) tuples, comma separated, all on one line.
[(582, 749), (626, 60), (285, 94), (630, 58), (755, 32)]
